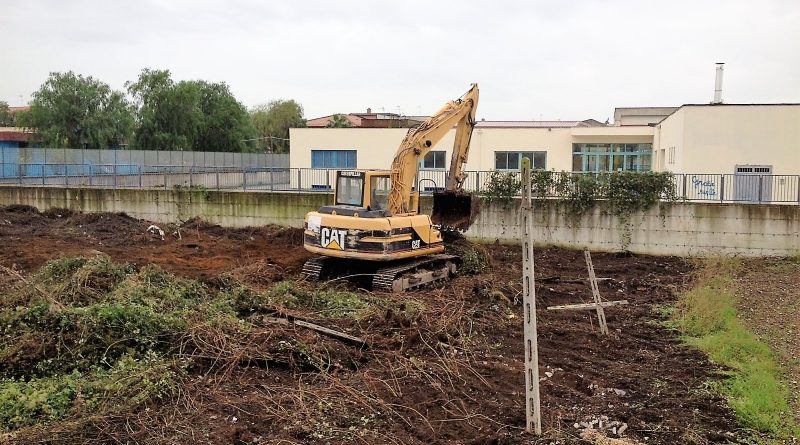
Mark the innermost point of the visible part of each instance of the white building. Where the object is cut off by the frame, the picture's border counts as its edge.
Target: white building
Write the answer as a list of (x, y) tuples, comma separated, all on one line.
[(711, 139)]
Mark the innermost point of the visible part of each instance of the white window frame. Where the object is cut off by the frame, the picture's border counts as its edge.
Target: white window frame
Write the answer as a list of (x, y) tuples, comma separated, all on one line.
[(444, 160), (521, 154)]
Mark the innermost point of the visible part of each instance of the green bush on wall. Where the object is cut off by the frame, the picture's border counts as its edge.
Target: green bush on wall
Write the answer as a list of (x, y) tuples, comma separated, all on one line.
[(625, 193)]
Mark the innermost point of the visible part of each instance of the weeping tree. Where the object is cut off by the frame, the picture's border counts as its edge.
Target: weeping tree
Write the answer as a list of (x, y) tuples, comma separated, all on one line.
[(272, 122), (188, 115), (70, 110)]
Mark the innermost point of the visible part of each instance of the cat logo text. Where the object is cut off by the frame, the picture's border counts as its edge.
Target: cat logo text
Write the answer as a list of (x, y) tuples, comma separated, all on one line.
[(332, 238)]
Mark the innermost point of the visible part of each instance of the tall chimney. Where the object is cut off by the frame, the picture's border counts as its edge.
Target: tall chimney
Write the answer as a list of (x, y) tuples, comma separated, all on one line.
[(369, 110), (718, 84)]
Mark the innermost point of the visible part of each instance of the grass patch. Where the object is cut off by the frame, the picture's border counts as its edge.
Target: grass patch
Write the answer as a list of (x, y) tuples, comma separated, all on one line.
[(474, 261), (707, 317), (328, 302), (122, 388)]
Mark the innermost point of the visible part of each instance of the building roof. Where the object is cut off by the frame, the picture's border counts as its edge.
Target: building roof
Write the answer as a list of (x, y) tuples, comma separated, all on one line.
[(15, 134), (325, 120), (741, 105), (18, 109), (781, 104), (532, 124)]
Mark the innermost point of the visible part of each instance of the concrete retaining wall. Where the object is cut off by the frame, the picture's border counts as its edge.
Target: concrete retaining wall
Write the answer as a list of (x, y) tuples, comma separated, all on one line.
[(670, 229), (227, 208), (684, 229)]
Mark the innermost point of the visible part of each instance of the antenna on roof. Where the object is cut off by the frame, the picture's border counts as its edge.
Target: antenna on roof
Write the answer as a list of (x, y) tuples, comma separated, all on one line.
[(718, 84)]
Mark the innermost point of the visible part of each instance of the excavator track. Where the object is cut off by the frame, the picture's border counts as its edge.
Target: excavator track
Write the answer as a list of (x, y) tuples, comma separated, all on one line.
[(414, 273), (396, 276), (315, 268)]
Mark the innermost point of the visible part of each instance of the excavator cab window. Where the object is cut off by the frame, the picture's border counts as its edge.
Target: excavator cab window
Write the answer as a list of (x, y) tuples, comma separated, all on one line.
[(379, 187), (350, 188)]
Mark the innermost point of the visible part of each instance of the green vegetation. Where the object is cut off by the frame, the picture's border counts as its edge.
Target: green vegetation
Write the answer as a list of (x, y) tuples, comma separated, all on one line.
[(272, 122), (328, 302), (70, 110), (339, 121), (6, 117), (188, 115), (87, 335), (624, 193), (76, 111), (707, 317), (474, 261), (501, 187)]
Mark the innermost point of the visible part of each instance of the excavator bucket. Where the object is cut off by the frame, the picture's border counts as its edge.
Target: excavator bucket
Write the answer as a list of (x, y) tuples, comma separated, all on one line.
[(454, 210)]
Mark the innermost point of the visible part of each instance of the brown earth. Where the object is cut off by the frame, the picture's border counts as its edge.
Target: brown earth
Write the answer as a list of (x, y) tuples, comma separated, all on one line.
[(201, 250), (768, 300), (443, 365)]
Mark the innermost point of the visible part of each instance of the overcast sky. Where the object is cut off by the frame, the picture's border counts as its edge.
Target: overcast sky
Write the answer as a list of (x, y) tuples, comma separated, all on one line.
[(532, 59)]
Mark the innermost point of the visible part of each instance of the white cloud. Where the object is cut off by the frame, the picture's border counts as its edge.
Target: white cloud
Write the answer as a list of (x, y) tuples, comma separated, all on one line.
[(567, 60)]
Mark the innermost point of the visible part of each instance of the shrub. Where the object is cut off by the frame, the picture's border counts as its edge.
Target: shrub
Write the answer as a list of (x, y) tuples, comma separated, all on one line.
[(474, 261)]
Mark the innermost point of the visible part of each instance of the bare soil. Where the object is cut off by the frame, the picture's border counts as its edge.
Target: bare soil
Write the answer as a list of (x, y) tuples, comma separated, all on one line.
[(443, 365)]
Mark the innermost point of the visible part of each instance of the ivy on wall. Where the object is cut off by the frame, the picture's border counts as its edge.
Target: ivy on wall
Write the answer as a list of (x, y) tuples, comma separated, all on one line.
[(622, 194)]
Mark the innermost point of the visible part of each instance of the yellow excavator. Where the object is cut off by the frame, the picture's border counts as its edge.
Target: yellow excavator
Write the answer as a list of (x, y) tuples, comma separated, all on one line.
[(374, 227)]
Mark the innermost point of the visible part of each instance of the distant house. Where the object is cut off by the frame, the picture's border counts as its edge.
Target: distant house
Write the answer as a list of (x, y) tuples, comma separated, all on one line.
[(15, 137), (370, 120)]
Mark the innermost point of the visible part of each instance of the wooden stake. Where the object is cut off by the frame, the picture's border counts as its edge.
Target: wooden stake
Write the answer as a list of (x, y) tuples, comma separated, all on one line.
[(601, 314), (315, 327), (585, 306), (533, 415)]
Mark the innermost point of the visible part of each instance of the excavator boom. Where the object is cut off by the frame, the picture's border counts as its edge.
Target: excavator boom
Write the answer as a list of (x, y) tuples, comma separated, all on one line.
[(453, 207)]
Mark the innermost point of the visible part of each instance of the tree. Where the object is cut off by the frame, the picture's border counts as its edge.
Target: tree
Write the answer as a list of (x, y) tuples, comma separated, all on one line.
[(187, 115), (272, 122), (6, 117), (339, 121), (76, 111)]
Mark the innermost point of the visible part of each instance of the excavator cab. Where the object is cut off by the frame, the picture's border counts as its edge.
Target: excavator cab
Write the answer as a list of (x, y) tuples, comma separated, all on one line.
[(365, 190)]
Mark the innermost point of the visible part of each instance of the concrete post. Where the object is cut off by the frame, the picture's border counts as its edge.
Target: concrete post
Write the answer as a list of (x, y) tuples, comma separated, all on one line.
[(760, 188), (244, 178), (684, 186), (722, 189), (533, 415), (140, 176), (271, 179)]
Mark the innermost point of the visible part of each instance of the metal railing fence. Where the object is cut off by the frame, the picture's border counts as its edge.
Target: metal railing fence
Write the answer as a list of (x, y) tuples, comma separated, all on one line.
[(69, 156), (745, 188)]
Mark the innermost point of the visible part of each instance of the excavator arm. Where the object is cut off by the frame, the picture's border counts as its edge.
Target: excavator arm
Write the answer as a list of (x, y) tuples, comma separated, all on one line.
[(421, 140)]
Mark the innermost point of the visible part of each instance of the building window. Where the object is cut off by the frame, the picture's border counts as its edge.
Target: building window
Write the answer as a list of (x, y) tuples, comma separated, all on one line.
[(611, 157), (333, 159), (433, 160), (512, 160), (672, 155)]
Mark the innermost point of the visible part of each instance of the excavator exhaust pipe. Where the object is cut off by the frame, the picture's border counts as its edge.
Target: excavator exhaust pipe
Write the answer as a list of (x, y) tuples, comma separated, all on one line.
[(454, 210)]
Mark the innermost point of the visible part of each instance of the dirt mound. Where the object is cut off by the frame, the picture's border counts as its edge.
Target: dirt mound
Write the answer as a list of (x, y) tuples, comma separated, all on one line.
[(196, 249)]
